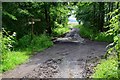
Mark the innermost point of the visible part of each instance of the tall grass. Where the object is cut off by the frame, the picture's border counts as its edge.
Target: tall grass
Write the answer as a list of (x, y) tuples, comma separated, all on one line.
[(25, 47), (40, 43), (93, 34), (37, 43), (107, 69), (13, 58)]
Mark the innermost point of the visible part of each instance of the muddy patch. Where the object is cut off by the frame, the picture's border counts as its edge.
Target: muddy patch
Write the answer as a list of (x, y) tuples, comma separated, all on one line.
[(46, 70), (91, 63)]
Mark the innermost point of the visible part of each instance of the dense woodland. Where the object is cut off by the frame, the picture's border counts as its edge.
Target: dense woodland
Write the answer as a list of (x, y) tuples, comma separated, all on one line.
[(28, 27)]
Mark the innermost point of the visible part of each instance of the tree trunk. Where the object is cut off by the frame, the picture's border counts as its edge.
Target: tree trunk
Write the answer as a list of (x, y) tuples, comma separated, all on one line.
[(117, 5), (101, 16), (49, 28), (118, 8), (94, 8), (47, 18)]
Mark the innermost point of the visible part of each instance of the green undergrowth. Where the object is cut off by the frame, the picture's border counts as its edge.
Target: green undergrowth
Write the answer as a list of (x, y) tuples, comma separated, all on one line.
[(13, 58), (93, 34), (37, 43), (60, 30), (107, 69), (23, 49)]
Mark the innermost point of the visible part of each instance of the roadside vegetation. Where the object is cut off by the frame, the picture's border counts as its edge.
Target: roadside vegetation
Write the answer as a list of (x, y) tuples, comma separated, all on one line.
[(17, 52), (94, 34), (107, 69)]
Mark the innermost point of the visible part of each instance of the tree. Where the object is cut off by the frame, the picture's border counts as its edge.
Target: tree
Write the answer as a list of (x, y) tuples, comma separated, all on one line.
[(19, 15), (101, 16)]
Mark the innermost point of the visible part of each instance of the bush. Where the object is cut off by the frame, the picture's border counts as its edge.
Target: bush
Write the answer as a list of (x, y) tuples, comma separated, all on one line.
[(59, 30), (107, 69), (9, 58), (24, 48), (86, 31), (24, 42), (6, 42), (94, 34), (40, 42), (103, 36)]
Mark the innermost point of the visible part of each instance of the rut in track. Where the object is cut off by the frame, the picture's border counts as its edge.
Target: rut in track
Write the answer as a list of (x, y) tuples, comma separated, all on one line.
[(63, 60)]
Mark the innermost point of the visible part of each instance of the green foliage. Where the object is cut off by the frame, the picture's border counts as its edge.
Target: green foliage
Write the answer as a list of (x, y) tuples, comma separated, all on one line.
[(102, 36), (88, 13), (24, 42), (110, 68), (7, 42), (59, 13), (95, 14), (86, 31), (115, 30), (38, 43), (9, 15), (22, 50), (59, 30), (20, 14), (114, 23), (11, 59), (94, 34), (84, 12), (106, 69)]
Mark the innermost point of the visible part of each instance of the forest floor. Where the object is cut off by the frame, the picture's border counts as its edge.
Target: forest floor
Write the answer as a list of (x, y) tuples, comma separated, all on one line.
[(63, 60)]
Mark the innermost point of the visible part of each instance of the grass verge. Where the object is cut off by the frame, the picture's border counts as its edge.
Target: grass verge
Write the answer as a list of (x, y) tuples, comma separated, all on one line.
[(24, 49), (11, 59), (93, 34), (107, 69)]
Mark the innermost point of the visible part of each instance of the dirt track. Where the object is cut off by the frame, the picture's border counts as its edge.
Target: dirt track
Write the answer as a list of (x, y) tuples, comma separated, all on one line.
[(63, 60)]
